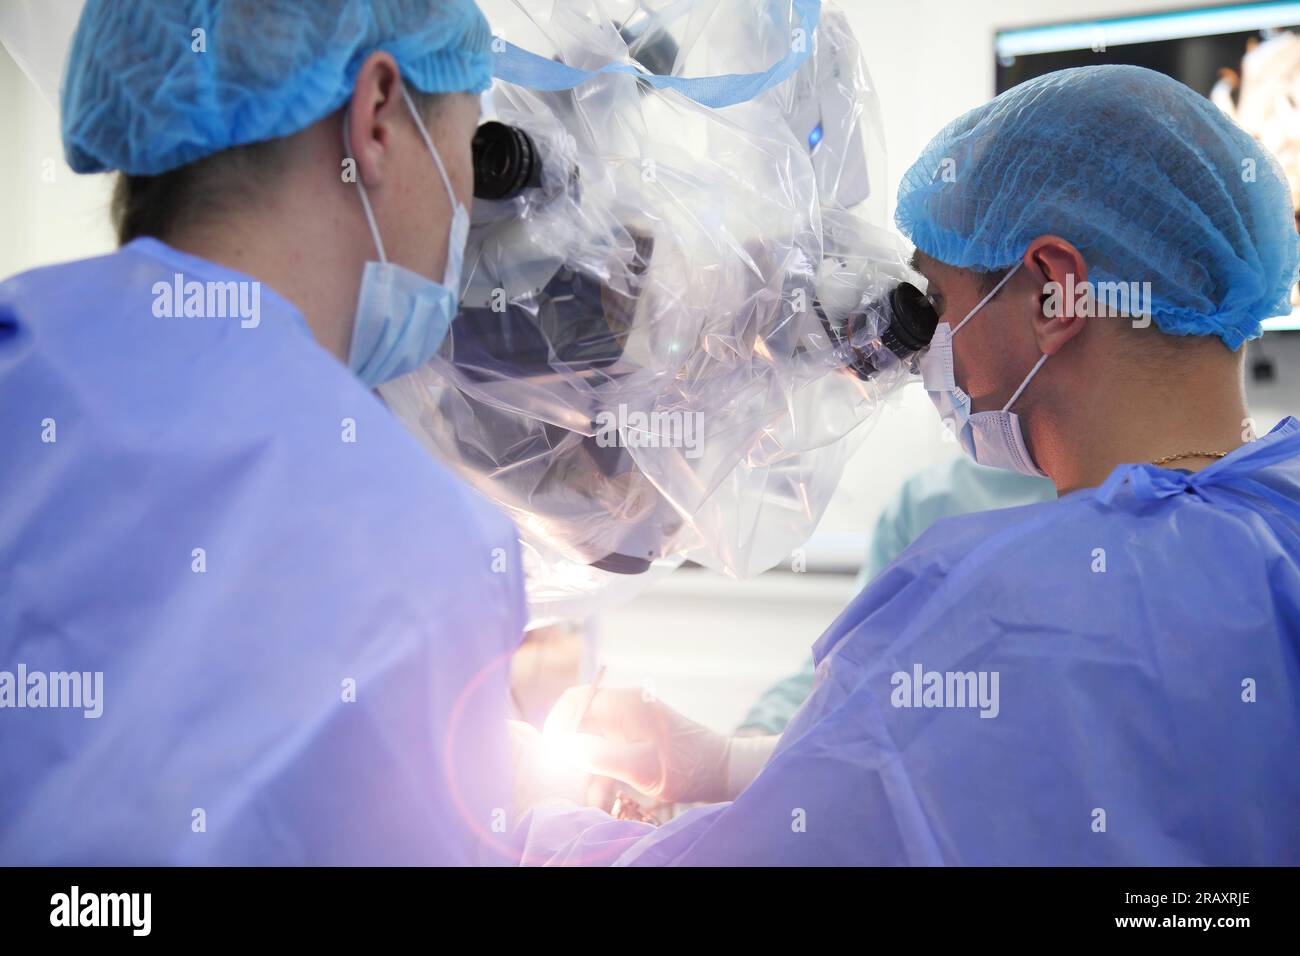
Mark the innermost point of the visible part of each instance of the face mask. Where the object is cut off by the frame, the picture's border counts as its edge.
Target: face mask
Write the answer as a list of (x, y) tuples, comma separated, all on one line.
[(990, 438), (402, 317)]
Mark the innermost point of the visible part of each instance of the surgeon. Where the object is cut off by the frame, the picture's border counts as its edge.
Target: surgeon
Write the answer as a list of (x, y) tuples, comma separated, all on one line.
[(1109, 678), (294, 625)]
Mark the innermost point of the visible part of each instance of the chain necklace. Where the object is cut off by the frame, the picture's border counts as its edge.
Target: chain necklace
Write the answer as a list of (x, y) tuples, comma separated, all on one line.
[(1159, 462)]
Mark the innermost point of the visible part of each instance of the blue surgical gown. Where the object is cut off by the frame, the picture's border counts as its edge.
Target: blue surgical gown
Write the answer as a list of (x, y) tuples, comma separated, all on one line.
[(957, 486), (1146, 638), (302, 621)]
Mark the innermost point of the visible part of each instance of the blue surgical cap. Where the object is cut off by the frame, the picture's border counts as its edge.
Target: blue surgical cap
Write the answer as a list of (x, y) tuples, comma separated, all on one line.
[(1147, 178), (146, 92)]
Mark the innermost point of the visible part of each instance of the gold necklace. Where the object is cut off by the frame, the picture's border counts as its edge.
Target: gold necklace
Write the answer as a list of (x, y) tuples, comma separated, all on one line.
[(1189, 454)]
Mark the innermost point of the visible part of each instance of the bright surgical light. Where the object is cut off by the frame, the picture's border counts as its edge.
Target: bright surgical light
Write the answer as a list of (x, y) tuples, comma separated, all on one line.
[(561, 751)]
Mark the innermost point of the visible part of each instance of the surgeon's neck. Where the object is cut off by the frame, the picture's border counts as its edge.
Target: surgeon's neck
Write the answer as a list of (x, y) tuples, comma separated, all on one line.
[(1140, 409), (300, 239)]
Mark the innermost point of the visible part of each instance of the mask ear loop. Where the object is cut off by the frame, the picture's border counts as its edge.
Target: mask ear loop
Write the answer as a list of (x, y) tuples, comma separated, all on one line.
[(424, 135), (365, 202), (979, 305), (1025, 384)]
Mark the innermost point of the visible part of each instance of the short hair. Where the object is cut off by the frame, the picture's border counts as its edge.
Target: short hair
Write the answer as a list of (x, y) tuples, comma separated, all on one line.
[(154, 205)]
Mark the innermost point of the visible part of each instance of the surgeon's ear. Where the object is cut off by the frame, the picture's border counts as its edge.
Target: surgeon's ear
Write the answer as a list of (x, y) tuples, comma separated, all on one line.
[(373, 113), (1061, 274)]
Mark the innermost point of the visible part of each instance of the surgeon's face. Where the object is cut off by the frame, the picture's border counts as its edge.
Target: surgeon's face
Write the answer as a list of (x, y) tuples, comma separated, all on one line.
[(420, 205), (995, 350), (410, 203)]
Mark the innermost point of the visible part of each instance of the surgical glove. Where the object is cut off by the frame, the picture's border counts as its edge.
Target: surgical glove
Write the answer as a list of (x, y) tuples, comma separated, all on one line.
[(652, 748)]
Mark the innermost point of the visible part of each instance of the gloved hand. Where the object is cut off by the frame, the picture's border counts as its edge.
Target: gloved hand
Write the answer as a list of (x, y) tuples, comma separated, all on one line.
[(652, 748)]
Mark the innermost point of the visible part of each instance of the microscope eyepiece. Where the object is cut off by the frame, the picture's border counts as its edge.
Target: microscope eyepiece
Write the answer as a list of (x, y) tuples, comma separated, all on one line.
[(905, 317), (506, 161), (912, 320)]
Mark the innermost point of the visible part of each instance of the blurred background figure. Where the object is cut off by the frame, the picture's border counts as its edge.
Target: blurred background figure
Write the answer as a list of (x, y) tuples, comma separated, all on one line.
[(951, 488)]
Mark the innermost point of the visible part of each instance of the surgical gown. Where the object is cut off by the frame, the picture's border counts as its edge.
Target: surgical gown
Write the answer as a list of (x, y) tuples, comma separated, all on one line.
[(953, 487), (1146, 638), (301, 620)]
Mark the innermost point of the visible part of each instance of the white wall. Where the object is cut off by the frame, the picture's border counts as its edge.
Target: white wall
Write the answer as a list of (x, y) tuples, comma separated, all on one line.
[(49, 213)]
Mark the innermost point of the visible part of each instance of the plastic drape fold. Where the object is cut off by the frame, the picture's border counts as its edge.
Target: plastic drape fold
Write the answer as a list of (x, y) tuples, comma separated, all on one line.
[(642, 369)]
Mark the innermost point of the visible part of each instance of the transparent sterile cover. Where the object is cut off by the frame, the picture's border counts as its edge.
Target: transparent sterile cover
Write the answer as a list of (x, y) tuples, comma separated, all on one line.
[(651, 361)]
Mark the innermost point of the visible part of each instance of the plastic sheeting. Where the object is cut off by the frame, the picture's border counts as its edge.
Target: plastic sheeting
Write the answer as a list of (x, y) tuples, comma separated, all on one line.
[(37, 34), (642, 370)]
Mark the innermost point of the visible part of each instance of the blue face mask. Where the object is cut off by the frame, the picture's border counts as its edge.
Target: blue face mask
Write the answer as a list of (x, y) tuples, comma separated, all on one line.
[(402, 317), (991, 438)]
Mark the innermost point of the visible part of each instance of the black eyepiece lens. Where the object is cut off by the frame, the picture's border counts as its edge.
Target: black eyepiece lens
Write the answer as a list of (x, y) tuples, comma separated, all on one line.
[(506, 161), (914, 318)]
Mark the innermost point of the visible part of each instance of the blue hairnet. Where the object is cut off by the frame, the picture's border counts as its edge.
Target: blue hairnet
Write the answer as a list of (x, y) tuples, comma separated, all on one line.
[(138, 98), (1148, 179)]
